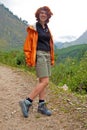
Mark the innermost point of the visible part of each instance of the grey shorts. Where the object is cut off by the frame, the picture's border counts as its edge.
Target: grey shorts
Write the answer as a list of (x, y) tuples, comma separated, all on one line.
[(43, 64)]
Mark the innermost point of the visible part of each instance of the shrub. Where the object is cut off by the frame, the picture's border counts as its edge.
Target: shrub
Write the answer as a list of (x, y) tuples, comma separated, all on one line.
[(78, 82)]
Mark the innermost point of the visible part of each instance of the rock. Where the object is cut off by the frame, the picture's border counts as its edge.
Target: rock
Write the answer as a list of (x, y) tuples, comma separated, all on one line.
[(65, 87)]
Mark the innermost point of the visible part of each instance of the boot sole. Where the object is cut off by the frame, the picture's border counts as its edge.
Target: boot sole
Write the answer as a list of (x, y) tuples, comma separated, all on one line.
[(44, 113)]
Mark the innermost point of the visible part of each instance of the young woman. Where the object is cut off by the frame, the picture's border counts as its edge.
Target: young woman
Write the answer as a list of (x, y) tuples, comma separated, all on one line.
[(39, 52)]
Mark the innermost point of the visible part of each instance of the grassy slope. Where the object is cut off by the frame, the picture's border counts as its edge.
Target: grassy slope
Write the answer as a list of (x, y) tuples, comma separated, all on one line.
[(76, 52)]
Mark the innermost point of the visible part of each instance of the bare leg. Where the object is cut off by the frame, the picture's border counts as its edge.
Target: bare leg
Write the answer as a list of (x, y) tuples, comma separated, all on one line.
[(43, 92), (40, 88)]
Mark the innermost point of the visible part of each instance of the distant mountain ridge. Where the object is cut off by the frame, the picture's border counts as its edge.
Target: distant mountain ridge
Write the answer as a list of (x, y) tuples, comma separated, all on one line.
[(81, 40), (12, 30)]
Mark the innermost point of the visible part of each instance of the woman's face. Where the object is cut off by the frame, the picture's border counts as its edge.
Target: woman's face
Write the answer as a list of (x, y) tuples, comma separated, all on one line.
[(43, 16)]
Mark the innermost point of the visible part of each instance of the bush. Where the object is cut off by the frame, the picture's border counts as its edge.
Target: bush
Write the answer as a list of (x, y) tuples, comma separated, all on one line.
[(78, 82), (72, 73), (20, 59)]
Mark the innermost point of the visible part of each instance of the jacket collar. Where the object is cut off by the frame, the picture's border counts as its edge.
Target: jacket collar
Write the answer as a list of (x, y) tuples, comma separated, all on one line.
[(32, 27)]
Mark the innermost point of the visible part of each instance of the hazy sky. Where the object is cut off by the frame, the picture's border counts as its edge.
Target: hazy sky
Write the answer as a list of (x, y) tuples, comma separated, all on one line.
[(69, 19)]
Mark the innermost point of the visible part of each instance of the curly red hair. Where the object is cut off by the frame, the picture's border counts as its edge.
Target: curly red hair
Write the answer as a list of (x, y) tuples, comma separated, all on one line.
[(48, 11)]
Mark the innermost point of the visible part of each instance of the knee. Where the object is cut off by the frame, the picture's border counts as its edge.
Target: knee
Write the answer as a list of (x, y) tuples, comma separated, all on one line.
[(45, 81)]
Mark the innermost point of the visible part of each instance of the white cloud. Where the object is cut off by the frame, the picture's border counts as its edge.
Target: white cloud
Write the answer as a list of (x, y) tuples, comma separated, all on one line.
[(69, 17)]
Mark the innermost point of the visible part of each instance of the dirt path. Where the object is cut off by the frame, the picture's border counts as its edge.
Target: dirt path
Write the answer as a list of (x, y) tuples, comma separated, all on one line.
[(14, 86)]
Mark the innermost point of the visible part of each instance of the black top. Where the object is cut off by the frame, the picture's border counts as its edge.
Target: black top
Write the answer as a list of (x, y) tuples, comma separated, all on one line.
[(43, 37)]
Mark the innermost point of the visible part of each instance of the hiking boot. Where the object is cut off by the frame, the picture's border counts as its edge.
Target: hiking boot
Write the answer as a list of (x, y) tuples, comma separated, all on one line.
[(43, 109), (25, 105)]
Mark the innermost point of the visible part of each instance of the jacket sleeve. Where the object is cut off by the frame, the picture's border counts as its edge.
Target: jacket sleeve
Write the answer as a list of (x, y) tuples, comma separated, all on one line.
[(27, 49), (52, 52)]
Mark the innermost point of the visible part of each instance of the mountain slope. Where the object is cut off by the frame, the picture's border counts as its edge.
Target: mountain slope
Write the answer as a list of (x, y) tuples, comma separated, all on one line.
[(81, 40), (12, 30)]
